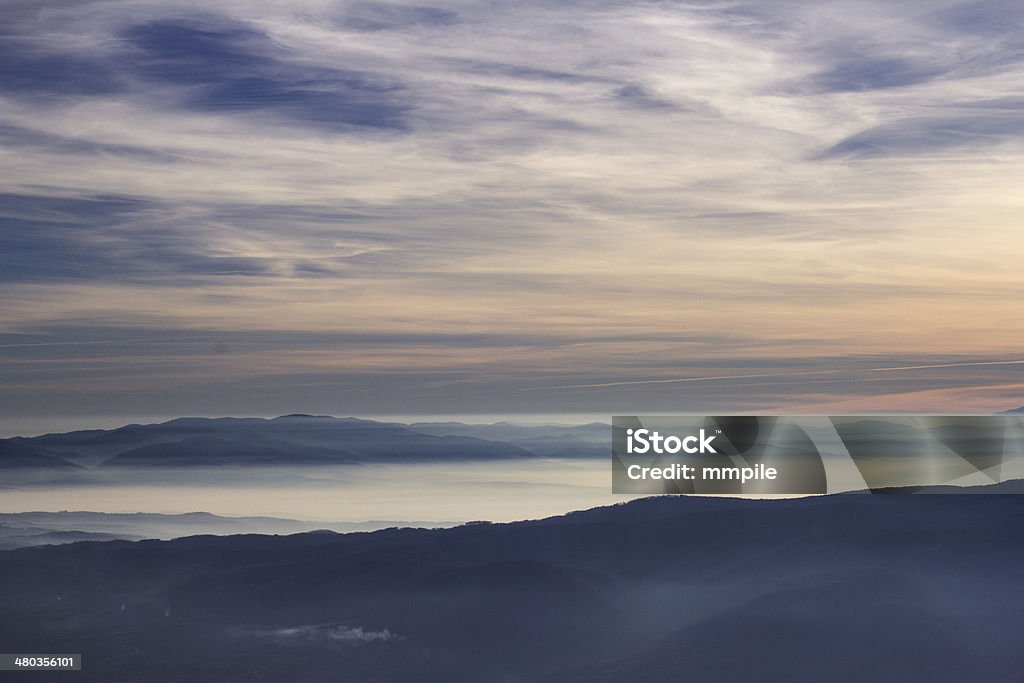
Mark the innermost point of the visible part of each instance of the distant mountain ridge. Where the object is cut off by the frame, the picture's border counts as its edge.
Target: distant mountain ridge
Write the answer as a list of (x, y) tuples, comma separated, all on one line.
[(16, 454), (23, 529), (591, 440), (297, 439)]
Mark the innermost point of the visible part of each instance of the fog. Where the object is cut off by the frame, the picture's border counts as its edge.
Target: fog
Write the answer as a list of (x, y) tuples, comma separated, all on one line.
[(456, 492)]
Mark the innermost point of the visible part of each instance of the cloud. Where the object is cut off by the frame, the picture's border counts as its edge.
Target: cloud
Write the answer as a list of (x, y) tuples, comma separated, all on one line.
[(229, 66), (933, 134), (640, 97), (980, 17), (101, 237), (133, 239), (860, 73), (382, 16), (452, 201), (28, 68), (348, 635), (19, 137)]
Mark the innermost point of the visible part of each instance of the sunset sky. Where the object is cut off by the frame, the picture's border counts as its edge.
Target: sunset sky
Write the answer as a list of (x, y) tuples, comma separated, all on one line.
[(543, 208)]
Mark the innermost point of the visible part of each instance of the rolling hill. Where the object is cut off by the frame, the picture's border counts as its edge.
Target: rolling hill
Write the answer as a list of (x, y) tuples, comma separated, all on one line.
[(840, 588), (242, 442)]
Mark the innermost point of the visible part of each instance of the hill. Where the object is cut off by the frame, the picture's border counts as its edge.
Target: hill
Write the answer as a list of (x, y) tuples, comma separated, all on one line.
[(22, 529), (282, 441), (850, 587)]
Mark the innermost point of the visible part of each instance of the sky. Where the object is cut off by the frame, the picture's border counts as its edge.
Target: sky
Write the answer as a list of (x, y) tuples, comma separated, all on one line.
[(370, 208)]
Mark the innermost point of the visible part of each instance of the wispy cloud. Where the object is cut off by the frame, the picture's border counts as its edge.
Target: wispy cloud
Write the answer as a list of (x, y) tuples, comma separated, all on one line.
[(505, 196), (351, 635)]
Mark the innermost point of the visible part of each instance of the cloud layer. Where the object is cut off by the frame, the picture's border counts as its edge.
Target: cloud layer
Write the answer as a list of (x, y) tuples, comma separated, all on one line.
[(371, 206)]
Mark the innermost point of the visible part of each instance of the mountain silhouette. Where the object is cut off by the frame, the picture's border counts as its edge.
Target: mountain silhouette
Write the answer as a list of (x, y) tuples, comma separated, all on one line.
[(849, 587), (220, 442), (15, 454)]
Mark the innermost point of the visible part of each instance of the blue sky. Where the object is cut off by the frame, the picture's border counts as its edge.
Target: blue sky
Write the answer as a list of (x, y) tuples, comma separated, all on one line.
[(475, 207)]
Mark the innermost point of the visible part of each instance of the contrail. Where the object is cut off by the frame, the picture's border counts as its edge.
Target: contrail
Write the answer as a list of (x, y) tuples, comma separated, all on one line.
[(684, 379), (803, 373), (94, 342), (950, 365)]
